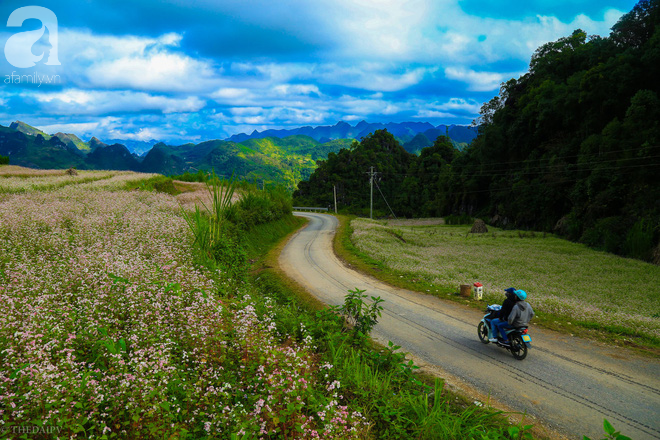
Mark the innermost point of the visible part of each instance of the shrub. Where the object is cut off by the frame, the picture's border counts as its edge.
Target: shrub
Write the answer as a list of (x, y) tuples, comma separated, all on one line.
[(257, 207), (4, 160), (462, 219), (230, 255), (605, 234), (199, 176), (360, 317), (639, 241)]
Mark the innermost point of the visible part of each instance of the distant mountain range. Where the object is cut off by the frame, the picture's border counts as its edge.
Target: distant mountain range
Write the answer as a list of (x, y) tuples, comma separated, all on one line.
[(461, 135), (281, 156)]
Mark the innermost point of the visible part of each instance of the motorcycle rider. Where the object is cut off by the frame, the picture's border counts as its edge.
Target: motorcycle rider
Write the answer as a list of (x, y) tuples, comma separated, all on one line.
[(520, 315), (503, 314)]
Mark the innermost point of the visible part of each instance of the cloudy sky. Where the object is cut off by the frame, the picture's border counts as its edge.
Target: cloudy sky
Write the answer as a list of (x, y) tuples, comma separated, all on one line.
[(192, 70)]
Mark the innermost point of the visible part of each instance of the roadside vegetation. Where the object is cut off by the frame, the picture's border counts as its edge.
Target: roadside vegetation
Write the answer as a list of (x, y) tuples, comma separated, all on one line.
[(573, 288), (118, 320)]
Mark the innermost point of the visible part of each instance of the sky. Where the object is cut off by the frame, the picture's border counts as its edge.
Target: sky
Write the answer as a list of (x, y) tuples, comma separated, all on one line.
[(194, 70)]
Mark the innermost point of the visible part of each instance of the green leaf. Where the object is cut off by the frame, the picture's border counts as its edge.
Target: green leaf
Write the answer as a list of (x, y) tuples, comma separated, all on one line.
[(165, 406), (622, 437), (173, 287), (117, 279), (609, 429), (122, 344)]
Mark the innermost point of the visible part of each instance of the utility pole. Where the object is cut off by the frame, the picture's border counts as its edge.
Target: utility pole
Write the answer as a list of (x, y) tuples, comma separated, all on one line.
[(371, 182), (334, 189)]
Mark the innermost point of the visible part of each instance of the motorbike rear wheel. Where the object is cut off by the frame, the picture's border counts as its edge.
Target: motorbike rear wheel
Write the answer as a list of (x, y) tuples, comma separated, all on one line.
[(482, 331), (518, 348)]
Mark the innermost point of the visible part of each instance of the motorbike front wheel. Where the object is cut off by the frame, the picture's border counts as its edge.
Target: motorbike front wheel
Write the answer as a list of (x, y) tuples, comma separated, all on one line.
[(482, 331), (518, 348)]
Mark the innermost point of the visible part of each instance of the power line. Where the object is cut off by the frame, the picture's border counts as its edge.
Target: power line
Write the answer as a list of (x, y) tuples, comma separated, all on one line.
[(388, 205), (576, 155), (570, 167)]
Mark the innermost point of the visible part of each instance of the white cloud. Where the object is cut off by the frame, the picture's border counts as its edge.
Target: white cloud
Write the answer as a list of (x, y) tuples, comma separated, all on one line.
[(376, 77), (432, 114), (134, 62), (241, 111), (439, 32), (159, 71), (103, 102), (479, 81), (75, 127), (286, 116), (461, 104), (231, 93)]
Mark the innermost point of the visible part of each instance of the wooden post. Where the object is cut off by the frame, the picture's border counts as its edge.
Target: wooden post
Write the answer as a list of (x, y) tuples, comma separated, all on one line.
[(334, 188)]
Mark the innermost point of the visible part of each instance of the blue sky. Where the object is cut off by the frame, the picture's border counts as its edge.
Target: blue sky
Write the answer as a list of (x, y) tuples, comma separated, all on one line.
[(183, 70)]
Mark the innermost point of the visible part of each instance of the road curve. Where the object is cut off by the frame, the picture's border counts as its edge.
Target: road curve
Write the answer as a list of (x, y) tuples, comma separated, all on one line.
[(567, 383)]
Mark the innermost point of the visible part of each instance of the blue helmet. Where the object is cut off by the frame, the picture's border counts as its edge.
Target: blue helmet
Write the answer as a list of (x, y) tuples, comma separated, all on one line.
[(510, 290), (521, 294)]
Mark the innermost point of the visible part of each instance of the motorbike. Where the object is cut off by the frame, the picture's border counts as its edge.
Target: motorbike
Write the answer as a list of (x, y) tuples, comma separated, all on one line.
[(520, 341)]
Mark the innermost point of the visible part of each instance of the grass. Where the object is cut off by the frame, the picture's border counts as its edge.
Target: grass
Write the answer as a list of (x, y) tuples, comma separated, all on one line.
[(377, 379), (572, 288)]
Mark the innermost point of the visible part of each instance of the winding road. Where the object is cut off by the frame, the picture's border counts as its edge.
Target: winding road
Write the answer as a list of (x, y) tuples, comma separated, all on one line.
[(567, 384)]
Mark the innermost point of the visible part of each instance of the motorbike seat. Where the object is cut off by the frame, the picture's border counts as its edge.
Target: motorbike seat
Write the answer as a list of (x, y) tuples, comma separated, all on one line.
[(520, 329)]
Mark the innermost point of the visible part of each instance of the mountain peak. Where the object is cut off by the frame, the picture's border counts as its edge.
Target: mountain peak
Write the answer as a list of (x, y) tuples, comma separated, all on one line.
[(27, 129)]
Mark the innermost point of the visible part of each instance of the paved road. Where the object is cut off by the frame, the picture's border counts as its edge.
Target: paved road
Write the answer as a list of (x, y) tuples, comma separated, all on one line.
[(568, 384)]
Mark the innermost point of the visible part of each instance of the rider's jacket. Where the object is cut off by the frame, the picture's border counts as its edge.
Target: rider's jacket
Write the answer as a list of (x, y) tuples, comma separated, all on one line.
[(521, 314)]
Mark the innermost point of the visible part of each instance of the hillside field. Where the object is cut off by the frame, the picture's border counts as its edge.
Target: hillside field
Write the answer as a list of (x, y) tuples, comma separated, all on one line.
[(565, 280)]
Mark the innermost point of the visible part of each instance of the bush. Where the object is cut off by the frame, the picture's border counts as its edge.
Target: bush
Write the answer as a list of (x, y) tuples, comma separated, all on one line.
[(199, 176), (230, 257), (360, 317), (639, 241), (4, 160), (257, 207), (157, 183), (462, 219), (605, 235)]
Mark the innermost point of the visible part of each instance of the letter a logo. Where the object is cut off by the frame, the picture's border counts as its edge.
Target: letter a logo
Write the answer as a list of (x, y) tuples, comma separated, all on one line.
[(18, 49)]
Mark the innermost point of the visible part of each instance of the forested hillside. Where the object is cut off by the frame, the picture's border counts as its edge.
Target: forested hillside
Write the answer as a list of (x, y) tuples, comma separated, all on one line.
[(271, 160), (572, 147)]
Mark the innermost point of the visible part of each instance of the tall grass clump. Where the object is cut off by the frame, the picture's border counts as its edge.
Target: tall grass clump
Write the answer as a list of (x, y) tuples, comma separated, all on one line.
[(219, 226)]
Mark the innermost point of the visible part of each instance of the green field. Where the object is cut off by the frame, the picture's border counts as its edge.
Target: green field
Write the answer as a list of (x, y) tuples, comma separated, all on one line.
[(565, 281)]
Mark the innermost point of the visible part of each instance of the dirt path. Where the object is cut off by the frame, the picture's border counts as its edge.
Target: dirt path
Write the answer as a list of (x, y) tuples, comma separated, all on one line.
[(566, 383)]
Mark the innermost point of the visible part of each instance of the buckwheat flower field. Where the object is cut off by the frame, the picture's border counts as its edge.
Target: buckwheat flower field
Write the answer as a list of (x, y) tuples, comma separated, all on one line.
[(108, 329), (562, 278)]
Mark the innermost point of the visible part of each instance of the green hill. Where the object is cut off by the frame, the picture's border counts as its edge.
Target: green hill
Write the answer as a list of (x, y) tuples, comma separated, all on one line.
[(28, 129), (571, 147), (37, 151), (72, 139), (272, 160)]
